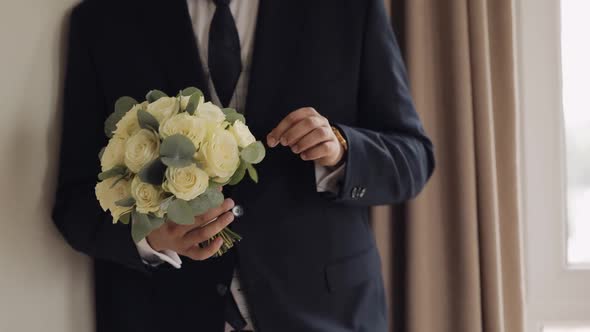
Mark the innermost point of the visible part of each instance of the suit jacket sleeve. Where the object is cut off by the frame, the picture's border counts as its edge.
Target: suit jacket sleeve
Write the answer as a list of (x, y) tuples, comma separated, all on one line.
[(76, 211), (390, 158)]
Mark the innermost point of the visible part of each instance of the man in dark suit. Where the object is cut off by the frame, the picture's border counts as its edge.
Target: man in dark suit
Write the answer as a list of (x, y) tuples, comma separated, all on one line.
[(324, 83)]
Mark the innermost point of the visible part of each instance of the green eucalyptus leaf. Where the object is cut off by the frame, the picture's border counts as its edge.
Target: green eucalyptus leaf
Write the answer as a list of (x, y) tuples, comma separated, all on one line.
[(140, 226), (252, 173), (213, 195), (124, 176), (213, 184), (200, 205), (228, 111), (166, 203), (239, 174), (191, 91), (111, 173), (124, 219), (153, 172), (122, 106), (126, 202), (143, 224), (177, 151), (147, 121), (222, 184), (154, 95), (193, 102), (253, 153), (181, 212), (232, 117), (156, 222)]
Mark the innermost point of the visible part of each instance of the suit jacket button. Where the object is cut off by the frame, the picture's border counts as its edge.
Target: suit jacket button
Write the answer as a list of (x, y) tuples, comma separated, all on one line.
[(221, 289), (362, 192), (238, 211), (355, 192)]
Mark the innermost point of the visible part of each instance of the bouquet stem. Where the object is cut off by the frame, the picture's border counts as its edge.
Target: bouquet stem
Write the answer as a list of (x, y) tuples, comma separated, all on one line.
[(229, 239)]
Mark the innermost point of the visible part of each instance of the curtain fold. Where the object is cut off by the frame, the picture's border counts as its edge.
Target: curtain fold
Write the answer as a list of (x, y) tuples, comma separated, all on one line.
[(452, 257)]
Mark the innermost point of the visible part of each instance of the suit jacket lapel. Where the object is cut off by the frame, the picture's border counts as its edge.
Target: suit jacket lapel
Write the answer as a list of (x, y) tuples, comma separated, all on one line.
[(278, 31), (171, 38)]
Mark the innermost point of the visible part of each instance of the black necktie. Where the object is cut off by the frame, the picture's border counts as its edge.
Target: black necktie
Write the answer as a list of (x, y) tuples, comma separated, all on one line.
[(225, 63)]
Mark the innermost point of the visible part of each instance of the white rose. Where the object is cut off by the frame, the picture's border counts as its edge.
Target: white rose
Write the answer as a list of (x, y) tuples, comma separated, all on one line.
[(164, 108), (242, 134), (140, 149), (129, 125), (147, 197), (107, 195), (186, 183), (187, 125), (210, 112), (184, 102), (114, 153), (220, 155)]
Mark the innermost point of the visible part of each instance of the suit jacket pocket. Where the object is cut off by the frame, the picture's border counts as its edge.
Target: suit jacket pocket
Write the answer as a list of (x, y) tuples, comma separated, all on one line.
[(353, 271)]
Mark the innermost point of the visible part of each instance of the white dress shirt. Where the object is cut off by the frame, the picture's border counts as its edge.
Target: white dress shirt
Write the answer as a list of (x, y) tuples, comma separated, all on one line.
[(245, 13)]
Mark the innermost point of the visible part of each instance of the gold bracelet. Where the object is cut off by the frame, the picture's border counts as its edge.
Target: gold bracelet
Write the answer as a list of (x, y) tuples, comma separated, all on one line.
[(340, 138)]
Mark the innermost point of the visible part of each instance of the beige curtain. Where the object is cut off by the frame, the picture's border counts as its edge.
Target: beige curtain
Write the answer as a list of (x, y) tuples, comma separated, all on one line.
[(452, 257)]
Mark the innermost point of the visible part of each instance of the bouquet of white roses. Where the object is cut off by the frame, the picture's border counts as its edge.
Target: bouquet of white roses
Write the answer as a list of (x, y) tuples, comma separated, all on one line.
[(167, 158)]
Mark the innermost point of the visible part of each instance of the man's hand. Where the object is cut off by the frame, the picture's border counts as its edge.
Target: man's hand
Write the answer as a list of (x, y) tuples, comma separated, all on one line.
[(185, 239), (308, 134)]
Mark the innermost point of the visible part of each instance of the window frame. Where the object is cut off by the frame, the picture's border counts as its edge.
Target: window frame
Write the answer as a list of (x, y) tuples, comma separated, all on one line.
[(555, 294)]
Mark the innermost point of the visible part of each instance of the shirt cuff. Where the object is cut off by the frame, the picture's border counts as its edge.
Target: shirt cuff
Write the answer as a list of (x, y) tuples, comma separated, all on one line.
[(328, 179), (155, 258)]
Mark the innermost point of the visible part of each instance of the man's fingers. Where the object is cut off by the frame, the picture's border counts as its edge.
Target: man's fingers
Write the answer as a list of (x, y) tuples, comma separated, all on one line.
[(175, 230), (315, 137), (203, 234), (275, 135), (203, 219), (319, 151), (302, 128), (200, 254)]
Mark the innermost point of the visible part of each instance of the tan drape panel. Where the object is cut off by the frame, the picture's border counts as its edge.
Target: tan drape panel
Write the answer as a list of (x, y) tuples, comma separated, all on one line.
[(451, 257)]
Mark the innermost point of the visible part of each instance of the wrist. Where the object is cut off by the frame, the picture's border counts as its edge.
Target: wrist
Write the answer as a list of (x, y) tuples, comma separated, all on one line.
[(339, 160), (154, 244), (342, 148)]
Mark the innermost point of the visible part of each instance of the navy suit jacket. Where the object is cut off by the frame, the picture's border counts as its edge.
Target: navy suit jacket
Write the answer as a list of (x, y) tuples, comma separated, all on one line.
[(308, 261)]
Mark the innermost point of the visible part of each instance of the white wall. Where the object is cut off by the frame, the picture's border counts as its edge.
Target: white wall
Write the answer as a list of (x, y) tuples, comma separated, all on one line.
[(44, 285)]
